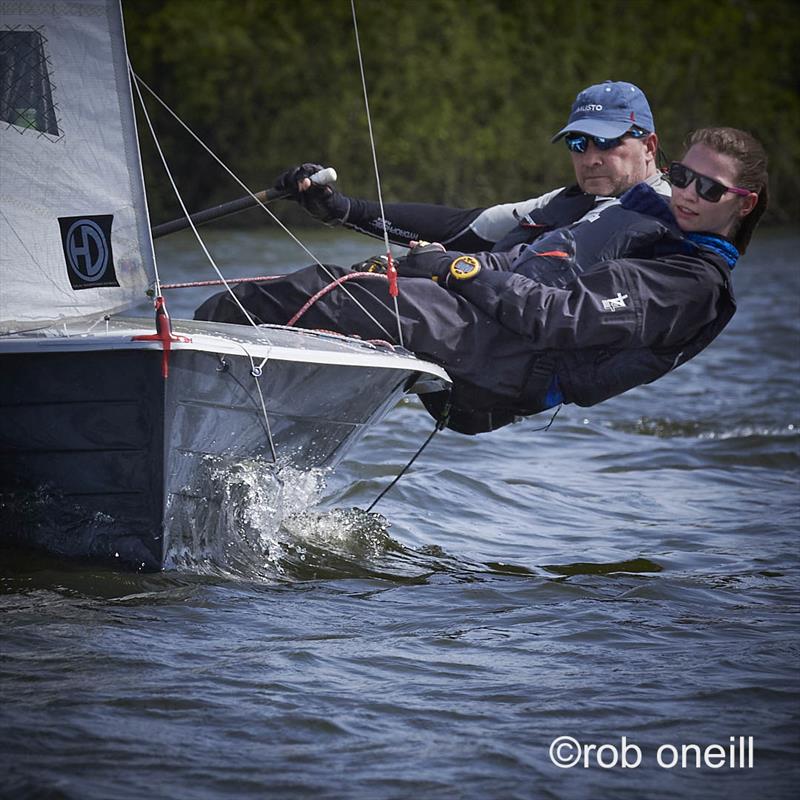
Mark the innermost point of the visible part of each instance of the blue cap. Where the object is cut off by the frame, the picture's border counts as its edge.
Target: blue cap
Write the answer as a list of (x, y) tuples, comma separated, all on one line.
[(609, 109)]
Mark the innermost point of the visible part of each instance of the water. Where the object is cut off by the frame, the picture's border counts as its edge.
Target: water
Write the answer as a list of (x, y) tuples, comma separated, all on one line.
[(633, 572)]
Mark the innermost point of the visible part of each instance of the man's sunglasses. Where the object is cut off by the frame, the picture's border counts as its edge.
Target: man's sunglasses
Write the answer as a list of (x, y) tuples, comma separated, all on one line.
[(681, 176), (578, 142)]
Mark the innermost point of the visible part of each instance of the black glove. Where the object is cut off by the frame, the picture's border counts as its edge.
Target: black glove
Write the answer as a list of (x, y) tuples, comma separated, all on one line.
[(322, 202), (376, 264), (426, 261)]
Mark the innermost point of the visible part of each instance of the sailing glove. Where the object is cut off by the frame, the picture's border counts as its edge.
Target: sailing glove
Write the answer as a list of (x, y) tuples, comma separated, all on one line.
[(322, 202), (377, 264), (428, 260), (447, 268)]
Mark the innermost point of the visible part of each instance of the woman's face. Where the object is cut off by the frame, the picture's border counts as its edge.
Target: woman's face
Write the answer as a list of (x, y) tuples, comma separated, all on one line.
[(696, 214)]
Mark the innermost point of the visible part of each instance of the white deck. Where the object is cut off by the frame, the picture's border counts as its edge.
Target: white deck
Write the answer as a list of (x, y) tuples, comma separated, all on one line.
[(273, 342)]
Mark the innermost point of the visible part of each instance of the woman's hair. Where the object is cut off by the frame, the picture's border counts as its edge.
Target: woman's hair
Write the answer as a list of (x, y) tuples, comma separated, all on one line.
[(751, 171)]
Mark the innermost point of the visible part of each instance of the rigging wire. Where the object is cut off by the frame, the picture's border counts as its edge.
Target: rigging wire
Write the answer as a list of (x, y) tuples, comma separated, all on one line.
[(199, 238), (405, 469), (252, 194), (391, 271), (441, 423), (255, 371)]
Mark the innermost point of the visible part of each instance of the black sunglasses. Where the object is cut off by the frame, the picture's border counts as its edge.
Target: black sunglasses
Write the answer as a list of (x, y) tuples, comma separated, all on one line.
[(578, 142), (682, 176)]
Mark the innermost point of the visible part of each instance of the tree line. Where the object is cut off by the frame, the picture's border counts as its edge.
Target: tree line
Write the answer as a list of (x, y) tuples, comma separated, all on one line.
[(464, 94)]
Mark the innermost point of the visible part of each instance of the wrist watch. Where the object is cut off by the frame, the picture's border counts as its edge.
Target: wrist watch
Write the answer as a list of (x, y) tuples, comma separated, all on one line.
[(464, 268)]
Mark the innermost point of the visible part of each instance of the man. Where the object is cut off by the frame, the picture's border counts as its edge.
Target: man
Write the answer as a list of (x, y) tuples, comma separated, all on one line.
[(613, 144)]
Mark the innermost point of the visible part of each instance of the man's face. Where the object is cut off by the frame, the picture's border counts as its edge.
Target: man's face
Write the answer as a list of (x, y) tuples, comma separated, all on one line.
[(609, 173)]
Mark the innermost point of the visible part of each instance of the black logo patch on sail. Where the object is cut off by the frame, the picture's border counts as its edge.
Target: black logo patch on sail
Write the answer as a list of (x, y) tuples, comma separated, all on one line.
[(87, 250)]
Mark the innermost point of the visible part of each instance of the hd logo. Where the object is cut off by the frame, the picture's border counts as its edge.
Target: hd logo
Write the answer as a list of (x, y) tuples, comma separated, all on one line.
[(87, 251)]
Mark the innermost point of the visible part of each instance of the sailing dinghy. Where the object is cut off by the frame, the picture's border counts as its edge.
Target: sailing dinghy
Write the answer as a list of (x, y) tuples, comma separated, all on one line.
[(108, 423)]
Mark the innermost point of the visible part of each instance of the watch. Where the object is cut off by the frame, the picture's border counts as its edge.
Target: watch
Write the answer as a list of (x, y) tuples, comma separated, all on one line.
[(464, 268)]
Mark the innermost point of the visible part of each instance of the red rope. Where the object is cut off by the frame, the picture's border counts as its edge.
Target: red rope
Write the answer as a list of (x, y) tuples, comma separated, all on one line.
[(329, 288), (374, 342), (321, 293), (192, 284)]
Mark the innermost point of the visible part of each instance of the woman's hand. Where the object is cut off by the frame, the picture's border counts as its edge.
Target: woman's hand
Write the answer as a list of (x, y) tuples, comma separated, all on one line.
[(425, 260)]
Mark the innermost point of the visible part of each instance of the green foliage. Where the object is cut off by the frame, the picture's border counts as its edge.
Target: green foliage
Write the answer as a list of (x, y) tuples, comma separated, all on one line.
[(464, 94)]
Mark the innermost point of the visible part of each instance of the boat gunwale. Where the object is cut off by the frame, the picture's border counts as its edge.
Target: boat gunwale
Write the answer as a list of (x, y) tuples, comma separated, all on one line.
[(316, 347)]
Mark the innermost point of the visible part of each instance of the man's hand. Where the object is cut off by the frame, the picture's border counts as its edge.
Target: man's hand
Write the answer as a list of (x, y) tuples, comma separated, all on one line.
[(378, 264), (322, 202)]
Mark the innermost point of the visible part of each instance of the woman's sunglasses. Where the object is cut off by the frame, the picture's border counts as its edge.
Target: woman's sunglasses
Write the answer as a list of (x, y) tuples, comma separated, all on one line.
[(578, 142), (681, 176)]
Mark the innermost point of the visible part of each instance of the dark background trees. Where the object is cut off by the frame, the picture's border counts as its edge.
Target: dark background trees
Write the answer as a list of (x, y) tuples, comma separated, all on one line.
[(464, 94)]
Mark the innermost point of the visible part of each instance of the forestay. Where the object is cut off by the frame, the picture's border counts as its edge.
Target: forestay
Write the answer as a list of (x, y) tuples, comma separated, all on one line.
[(74, 233)]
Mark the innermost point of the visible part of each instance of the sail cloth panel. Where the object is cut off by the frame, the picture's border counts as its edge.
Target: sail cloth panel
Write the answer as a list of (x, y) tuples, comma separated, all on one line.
[(74, 232)]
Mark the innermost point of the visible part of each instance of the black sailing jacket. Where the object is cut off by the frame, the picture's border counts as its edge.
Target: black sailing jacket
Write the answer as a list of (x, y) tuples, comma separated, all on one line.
[(630, 299), (498, 227)]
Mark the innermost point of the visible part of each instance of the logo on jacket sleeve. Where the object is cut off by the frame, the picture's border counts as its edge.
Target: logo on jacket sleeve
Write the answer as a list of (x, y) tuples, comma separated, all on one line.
[(87, 251), (615, 303)]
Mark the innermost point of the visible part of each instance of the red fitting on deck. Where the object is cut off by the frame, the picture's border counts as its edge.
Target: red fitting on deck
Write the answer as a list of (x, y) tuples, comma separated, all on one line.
[(164, 334)]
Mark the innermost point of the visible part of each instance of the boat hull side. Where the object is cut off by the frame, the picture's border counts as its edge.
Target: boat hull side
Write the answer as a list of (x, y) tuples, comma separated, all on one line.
[(101, 458), (81, 454), (313, 413)]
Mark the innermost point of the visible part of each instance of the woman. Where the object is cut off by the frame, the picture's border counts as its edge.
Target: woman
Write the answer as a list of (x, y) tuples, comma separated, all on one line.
[(581, 315), (730, 158)]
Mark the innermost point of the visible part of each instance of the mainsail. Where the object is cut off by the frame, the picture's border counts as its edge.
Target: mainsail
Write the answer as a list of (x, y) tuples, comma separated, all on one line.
[(74, 232)]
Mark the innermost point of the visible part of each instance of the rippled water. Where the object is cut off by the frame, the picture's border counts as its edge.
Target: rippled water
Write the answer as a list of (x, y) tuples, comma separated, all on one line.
[(632, 572)]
